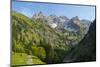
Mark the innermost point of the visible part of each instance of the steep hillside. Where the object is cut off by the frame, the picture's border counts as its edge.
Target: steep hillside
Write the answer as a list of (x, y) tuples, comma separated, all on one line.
[(35, 40), (86, 49)]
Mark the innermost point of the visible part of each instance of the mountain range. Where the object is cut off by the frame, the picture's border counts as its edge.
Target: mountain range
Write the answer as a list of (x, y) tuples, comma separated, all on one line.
[(51, 39), (62, 22)]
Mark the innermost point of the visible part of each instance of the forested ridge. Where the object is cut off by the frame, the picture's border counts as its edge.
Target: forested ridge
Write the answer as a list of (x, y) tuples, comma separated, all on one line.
[(35, 42)]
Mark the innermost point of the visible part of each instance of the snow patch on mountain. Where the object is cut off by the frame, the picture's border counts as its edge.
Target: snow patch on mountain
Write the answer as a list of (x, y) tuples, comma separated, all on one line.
[(53, 25)]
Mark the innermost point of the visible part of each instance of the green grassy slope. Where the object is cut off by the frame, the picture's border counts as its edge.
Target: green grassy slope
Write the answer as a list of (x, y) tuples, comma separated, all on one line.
[(36, 38)]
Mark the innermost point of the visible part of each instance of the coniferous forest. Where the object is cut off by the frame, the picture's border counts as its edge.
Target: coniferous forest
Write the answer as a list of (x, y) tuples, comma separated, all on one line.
[(50, 40)]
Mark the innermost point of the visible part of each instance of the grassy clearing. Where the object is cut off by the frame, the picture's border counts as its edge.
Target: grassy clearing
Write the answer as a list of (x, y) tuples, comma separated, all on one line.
[(19, 58), (36, 60)]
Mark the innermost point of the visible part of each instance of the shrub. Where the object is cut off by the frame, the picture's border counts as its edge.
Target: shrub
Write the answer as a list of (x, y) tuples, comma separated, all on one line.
[(39, 52)]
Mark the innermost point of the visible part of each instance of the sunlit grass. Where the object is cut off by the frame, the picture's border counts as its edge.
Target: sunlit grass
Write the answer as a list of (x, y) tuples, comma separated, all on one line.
[(19, 58), (36, 60)]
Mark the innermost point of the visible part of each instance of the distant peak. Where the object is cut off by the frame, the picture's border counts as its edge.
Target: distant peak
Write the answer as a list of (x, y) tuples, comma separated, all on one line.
[(75, 18), (40, 12), (53, 15), (63, 17), (38, 15)]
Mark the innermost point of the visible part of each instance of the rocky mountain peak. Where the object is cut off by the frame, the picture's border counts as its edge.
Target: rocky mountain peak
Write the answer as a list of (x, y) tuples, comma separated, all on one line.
[(63, 17), (75, 18), (38, 15)]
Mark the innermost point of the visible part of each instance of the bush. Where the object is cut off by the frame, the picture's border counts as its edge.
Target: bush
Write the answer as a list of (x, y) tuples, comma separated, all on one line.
[(39, 52)]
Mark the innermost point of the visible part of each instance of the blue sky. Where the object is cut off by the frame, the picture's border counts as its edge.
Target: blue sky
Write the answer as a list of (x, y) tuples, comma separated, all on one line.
[(28, 9)]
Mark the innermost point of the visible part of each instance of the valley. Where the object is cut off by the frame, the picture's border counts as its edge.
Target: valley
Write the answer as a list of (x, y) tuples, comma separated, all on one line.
[(51, 39)]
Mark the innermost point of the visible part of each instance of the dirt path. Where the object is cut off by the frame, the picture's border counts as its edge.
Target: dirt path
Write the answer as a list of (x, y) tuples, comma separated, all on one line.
[(30, 60)]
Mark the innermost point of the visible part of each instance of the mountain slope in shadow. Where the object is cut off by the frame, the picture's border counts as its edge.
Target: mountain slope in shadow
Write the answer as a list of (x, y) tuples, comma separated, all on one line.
[(86, 49)]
